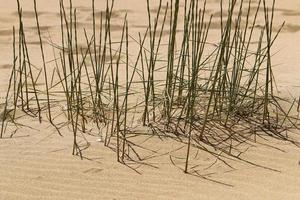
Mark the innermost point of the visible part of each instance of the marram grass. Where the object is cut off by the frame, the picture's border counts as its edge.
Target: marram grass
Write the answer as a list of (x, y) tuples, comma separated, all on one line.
[(178, 85)]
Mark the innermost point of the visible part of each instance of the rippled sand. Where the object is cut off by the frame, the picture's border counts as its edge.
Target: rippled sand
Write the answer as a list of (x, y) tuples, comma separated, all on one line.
[(37, 163)]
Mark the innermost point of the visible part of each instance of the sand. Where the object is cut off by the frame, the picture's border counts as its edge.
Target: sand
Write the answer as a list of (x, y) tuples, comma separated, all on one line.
[(37, 163)]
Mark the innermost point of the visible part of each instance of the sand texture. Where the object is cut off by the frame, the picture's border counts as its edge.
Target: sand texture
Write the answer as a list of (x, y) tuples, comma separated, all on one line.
[(36, 163)]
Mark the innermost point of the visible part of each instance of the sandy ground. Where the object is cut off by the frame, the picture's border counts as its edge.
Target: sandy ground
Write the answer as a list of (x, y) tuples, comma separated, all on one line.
[(37, 164)]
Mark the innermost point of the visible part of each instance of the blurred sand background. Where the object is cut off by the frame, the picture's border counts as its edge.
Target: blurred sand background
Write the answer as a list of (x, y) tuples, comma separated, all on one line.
[(37, 164)]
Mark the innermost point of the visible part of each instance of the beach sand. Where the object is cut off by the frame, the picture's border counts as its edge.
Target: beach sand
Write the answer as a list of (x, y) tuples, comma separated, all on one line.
[(36, 163)]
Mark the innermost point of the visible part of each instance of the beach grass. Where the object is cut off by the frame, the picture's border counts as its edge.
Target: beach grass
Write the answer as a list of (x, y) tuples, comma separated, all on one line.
[(178, 85)]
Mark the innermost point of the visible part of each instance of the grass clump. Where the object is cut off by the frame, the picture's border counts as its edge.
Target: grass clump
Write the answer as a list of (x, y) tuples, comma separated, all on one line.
[(215, 97)]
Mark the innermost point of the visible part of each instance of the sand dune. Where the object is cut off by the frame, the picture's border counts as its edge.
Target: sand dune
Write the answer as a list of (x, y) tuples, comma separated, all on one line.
[(37, 163), (39, 166)]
